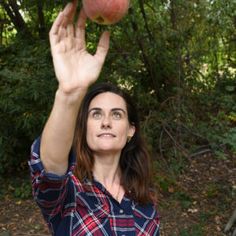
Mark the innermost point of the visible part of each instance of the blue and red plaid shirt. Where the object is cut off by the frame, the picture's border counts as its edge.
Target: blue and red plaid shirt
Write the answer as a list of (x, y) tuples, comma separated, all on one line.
[(72, 208)]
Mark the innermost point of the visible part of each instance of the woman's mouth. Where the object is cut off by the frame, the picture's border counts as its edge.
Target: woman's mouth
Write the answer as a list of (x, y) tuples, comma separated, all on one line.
[(106, 135)]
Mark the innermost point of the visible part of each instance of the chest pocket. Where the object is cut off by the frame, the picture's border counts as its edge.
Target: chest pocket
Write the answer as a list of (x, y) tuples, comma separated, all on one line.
[(99, 210), (95, 206)]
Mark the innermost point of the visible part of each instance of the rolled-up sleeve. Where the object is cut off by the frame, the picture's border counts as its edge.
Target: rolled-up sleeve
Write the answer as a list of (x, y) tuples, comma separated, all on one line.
[(50, 191)]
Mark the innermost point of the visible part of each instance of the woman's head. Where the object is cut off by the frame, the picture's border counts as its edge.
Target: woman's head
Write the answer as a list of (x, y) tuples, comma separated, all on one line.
[(108, 121), (99, 100), (108, 126)]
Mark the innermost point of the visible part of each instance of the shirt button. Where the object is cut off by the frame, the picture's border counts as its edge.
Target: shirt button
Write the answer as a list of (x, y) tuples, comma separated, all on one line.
[(121, 211)]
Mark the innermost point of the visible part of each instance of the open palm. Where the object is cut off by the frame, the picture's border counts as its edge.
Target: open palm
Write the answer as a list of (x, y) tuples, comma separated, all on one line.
[(75, 68)]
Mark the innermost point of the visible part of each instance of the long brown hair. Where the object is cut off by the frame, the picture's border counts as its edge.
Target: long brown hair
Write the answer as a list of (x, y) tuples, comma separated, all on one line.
[(134, 161)]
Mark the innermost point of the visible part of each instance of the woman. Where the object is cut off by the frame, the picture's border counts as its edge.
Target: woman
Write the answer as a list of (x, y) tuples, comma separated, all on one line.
[(101, 187)]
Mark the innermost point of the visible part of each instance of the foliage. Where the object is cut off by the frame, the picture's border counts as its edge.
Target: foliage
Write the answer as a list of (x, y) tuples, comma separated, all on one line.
[(195, 230), (16, 187), (26, 93), (177, 59)]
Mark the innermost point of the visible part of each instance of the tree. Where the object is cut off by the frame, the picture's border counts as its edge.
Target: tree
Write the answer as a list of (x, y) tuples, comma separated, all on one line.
[(13, 11), (176, 57)]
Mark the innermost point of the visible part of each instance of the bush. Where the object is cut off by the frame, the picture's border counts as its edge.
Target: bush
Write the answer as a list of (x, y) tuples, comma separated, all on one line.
[(26, 93)]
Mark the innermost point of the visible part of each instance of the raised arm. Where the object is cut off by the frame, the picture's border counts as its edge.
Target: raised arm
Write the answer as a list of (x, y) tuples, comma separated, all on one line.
[(75, 70)]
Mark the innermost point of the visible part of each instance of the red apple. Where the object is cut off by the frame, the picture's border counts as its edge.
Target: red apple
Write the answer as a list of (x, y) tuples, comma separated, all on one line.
[(105, 12)]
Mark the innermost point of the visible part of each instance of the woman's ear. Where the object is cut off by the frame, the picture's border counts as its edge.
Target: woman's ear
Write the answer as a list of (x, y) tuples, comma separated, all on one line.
[(131, 132)]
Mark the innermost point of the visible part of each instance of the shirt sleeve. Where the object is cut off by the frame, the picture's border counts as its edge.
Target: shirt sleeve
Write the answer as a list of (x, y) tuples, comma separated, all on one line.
[(53, 193)]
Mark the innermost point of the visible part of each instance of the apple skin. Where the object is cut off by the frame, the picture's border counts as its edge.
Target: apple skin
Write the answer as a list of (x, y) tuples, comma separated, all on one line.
[(106, 12)]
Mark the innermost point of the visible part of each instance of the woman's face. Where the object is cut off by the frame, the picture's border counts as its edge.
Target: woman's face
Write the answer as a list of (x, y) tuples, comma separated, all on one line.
[(107, 125)]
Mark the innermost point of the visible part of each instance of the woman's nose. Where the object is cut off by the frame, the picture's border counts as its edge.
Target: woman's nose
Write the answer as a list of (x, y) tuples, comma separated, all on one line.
[(106, 122)]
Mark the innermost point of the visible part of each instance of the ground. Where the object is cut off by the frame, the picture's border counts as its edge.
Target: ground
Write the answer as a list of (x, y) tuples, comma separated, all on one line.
[(202, 199), (196, 203)]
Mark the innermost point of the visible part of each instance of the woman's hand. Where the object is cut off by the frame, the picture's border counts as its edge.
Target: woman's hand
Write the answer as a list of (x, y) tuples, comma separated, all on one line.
[(75, 68)]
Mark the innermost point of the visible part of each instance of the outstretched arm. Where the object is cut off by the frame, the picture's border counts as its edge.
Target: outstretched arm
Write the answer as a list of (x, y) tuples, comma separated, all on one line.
[(75, 70)]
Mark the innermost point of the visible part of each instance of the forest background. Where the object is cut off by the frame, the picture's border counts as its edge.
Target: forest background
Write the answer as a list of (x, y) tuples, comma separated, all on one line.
[(177, 58)]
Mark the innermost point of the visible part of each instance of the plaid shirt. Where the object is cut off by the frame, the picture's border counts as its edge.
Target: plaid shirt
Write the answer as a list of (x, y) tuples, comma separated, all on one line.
[(71, 208)]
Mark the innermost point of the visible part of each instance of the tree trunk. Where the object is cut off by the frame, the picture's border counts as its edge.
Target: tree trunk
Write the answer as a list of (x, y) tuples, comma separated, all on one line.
[(141, 5), (41, 20), (12, 10), (148, 62)]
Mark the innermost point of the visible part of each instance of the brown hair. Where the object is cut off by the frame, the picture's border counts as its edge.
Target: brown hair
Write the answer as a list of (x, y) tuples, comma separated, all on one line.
[(134, 161)]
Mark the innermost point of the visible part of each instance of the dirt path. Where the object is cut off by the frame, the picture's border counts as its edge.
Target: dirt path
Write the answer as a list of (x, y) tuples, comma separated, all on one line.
[(21, 218), (198, 203)]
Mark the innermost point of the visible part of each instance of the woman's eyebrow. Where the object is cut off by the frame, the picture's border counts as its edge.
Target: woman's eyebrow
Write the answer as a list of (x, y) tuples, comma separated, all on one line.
[(113, 109), (94, 109), (118, 109)]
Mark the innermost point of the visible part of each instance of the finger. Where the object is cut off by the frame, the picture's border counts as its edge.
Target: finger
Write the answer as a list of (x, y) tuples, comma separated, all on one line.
[(69, 12), (80, 29), (74, 7), (70, 30), (62, 33), (53, 34), (81, 19), (103, 47)]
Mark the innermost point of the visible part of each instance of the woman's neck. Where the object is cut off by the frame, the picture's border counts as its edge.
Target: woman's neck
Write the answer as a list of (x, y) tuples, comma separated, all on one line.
[(106, 169)]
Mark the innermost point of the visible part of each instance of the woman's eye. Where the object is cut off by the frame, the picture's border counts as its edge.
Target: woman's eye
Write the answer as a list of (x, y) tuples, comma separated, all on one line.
[(96, 115), (117, 115)]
